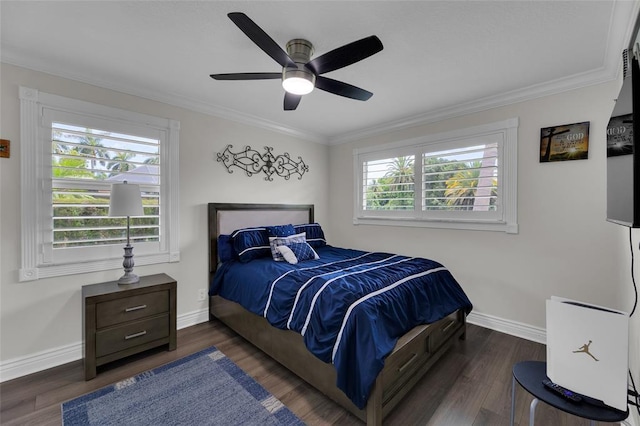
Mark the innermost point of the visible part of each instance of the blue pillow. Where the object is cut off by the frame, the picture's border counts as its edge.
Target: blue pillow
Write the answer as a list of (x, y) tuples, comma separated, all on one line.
[(315, 235), (251, 243), (303, 251), (275, 242), (281, 230), (226, 251)]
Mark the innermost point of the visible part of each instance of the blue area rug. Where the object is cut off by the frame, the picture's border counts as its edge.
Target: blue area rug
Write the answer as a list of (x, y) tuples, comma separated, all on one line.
[(205, 388)]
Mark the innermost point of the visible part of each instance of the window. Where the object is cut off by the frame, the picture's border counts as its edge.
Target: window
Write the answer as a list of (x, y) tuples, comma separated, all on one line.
[(73, 151), (465, 179)]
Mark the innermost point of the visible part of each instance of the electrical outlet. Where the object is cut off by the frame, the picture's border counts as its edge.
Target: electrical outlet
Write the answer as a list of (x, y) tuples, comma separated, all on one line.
[(202, 294)]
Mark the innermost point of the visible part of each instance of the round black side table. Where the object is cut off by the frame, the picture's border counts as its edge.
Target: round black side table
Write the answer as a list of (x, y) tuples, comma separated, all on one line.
[(530, 374)]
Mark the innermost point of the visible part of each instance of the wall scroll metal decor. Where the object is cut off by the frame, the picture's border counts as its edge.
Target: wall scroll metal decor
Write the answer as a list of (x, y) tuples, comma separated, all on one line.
[(251, 162)]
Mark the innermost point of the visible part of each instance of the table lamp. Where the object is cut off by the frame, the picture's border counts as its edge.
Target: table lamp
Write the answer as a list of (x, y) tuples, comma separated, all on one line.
[(126, 201)]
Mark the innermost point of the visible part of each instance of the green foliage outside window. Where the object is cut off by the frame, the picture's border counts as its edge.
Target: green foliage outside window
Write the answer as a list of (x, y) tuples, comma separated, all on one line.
[(447, 185), (81, 215)]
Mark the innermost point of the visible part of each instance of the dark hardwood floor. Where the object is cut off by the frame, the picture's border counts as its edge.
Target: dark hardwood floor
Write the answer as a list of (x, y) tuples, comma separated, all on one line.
[(471, 385)]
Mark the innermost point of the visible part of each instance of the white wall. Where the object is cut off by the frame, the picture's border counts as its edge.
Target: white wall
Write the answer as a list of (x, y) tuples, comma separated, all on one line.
[(41, 320), (565, 246)]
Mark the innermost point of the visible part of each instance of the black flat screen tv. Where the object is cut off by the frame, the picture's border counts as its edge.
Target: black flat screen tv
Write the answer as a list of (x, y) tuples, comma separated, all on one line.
[(623, 153)]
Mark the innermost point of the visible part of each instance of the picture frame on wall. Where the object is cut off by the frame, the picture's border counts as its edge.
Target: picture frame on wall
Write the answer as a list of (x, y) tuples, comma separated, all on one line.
[(564, 142), (5, 148), (620, 135)]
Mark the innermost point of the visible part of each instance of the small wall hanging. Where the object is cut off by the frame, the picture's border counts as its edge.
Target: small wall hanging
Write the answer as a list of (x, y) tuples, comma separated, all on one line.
[(565, 142), (251, 162), (5, 148)]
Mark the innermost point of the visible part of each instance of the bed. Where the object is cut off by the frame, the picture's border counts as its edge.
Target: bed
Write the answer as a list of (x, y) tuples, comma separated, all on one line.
[(290, 335)]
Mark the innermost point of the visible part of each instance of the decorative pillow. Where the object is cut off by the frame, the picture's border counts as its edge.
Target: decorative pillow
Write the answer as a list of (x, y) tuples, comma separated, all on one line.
[(280, 230), (225, 248), (287, 254), (297, 252), (275, 242), (251, 243), (315, 235)]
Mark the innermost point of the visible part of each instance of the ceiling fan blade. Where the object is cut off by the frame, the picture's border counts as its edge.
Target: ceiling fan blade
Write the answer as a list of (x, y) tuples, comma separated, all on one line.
[(291, 101), (345, 55), (342, 89), (247, 76), (261, 39)]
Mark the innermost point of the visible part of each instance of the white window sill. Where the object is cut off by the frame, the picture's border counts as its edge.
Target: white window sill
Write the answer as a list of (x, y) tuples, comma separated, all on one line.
[(49, 271), (509, 228)]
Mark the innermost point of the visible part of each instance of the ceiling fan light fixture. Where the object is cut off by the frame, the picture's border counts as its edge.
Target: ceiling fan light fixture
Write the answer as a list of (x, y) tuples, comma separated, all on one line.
[(297, 81), (299, 73)]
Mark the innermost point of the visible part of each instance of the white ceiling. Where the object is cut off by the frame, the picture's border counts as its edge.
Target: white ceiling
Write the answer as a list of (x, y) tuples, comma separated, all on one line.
[(440, 58)]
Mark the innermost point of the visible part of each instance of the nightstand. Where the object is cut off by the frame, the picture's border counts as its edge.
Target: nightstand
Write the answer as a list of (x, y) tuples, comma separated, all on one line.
[(122, 320)]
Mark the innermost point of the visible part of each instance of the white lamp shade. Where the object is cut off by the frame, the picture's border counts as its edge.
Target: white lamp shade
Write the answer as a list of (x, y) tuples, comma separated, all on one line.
[(125, 200)]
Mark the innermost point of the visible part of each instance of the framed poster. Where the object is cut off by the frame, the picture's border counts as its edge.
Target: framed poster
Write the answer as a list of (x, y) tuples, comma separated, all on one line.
[(565, 142), (5, 148), (620, 135)]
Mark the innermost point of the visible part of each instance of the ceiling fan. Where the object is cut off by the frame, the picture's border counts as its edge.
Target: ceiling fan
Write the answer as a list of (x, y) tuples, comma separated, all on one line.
[(300, 74)]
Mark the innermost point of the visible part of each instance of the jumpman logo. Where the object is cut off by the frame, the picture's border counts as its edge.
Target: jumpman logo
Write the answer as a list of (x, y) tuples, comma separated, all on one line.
[(585, 349)]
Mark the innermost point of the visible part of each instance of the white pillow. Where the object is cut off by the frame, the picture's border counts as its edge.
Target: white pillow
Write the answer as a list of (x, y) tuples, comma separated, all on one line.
[(287, 254)]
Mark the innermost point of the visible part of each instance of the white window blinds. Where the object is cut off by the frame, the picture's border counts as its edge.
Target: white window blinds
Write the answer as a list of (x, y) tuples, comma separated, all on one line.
[(463, 179), (389, 184), (85, 162)]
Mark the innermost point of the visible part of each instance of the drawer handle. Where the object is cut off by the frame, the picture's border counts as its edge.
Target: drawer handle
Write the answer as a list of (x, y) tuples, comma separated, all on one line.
[(406, 364), (135, 308), (131, 336), (448, 326)]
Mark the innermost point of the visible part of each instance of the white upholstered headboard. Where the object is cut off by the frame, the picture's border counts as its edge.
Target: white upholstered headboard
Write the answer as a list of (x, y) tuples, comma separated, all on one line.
[(224, 218), (230, 220)]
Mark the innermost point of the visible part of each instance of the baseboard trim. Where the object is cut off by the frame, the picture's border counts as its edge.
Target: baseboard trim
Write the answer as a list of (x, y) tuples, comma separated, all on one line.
[(33, 363), (514, 328), (192, 318), (40, 361)]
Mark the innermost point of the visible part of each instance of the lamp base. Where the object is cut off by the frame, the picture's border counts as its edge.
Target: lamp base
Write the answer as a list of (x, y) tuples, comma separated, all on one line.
[(128, 278)]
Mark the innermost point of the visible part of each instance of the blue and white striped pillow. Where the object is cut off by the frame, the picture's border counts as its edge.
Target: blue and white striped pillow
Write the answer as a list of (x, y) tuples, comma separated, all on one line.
[(251, 243), (314, 232)]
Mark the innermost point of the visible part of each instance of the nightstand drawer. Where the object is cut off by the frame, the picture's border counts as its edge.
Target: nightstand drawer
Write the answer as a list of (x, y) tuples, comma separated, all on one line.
[(131, 334), (131, 308)]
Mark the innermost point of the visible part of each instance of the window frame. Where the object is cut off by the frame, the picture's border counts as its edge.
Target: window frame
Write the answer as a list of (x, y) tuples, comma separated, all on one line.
[(36, 184), (505, 133)]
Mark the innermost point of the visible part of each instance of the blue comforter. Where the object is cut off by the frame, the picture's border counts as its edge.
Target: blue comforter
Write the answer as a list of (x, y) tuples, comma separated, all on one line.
[(350, 306)]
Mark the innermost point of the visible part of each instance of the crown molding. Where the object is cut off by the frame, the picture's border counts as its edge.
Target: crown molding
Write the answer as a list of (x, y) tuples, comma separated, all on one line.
[(601, 75), (618, 40), (15, 57)]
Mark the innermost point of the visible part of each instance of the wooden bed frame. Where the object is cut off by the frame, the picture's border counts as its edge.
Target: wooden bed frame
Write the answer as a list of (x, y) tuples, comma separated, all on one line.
[(414, 354)]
